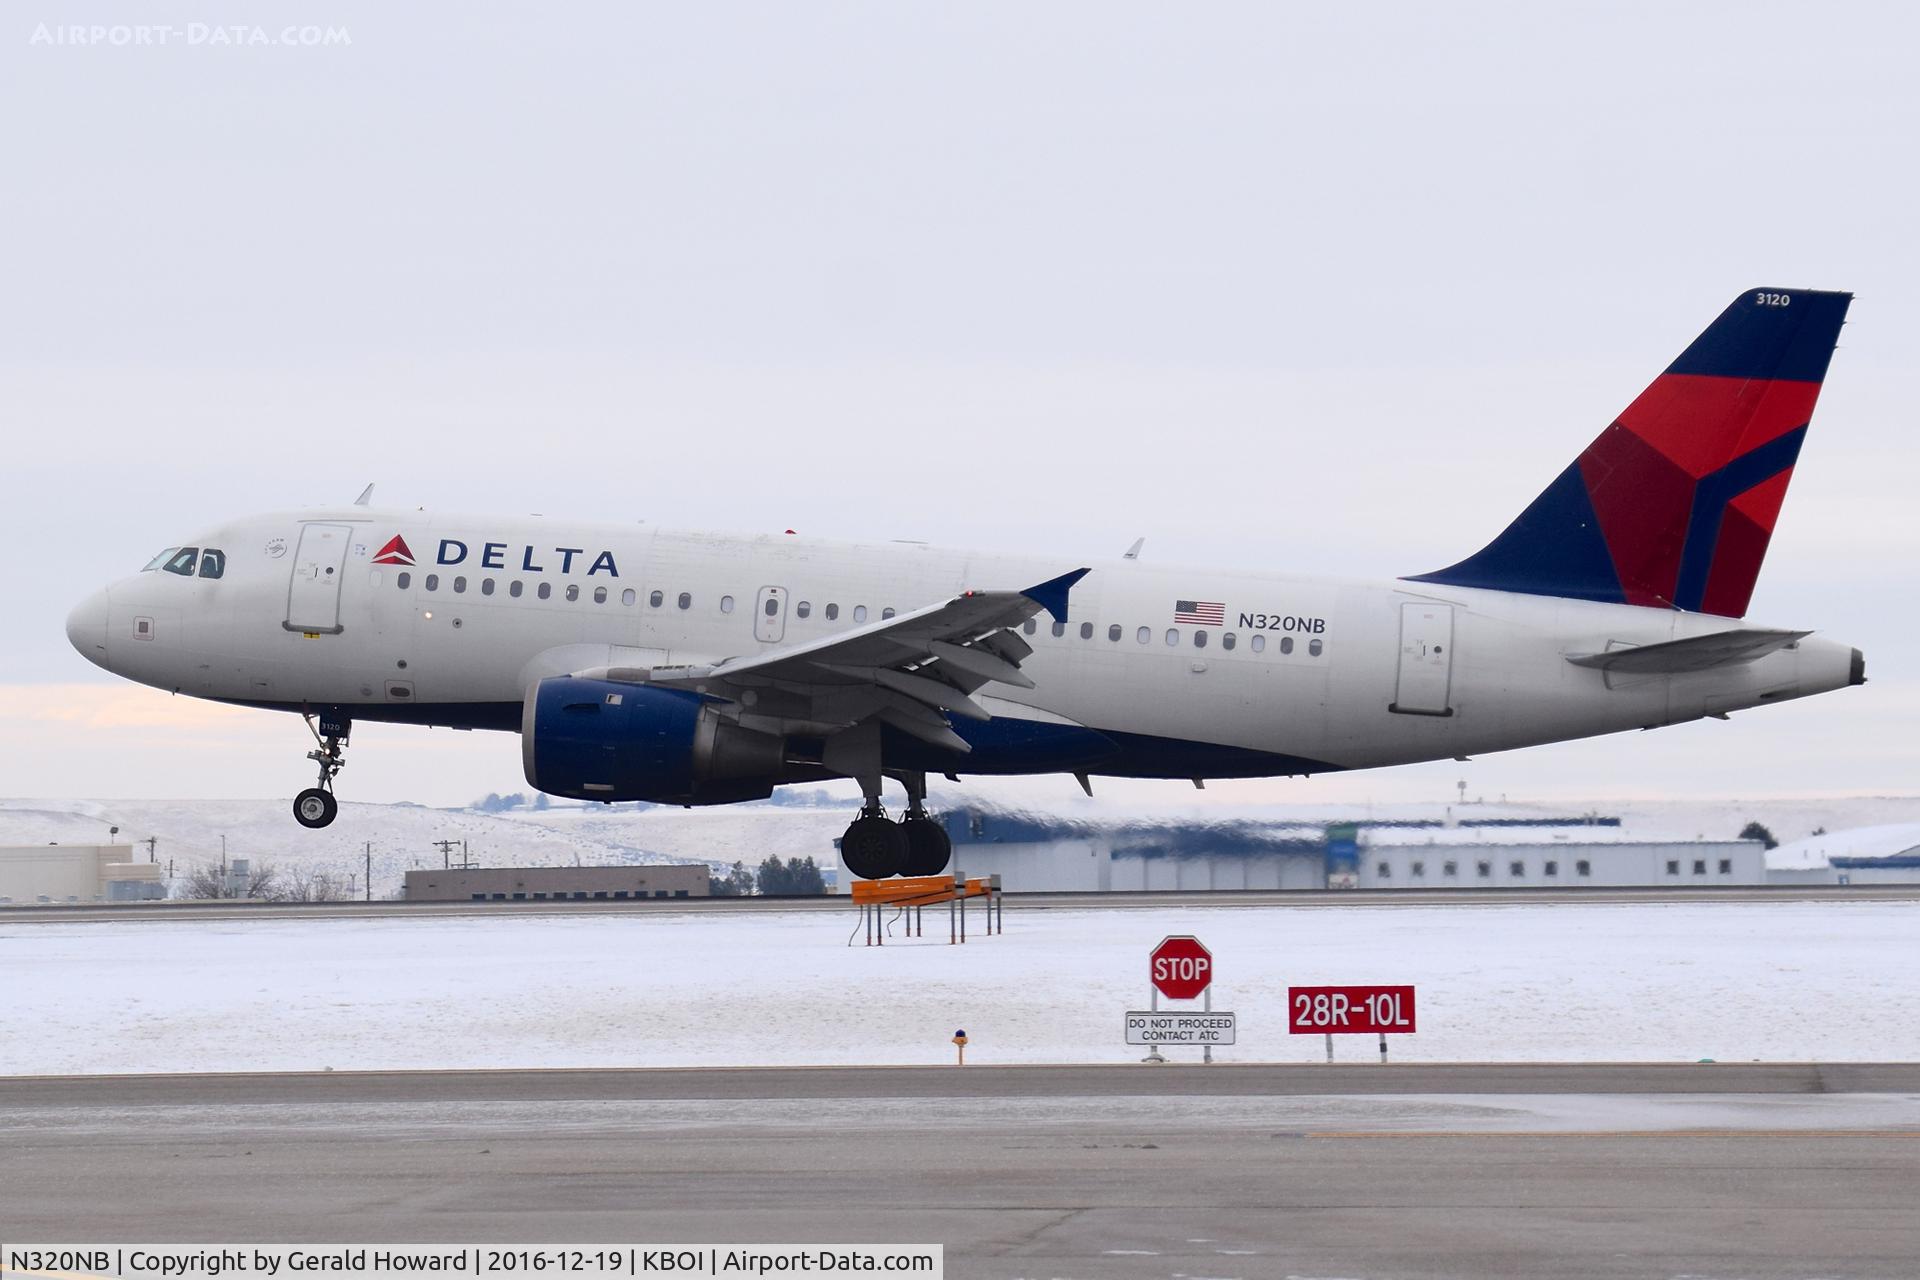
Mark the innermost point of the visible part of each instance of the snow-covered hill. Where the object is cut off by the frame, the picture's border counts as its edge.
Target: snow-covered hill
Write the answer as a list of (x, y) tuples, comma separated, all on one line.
[(402, 836)]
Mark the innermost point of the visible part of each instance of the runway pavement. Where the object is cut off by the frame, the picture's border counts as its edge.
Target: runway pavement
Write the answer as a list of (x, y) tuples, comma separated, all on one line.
[(72, 913), (1763, 1170)]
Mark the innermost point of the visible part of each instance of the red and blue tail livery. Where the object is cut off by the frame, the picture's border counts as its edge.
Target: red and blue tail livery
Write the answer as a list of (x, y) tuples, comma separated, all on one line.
[(1673, 505)]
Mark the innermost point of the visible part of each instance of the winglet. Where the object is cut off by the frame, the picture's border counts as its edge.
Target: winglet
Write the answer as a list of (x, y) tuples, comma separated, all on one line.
[(1051, 595), (366, 496)]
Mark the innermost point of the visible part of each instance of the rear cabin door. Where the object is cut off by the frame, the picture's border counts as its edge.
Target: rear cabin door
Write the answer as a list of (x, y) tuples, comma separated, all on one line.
[(770, 614), (1426, 660), (313, 599)]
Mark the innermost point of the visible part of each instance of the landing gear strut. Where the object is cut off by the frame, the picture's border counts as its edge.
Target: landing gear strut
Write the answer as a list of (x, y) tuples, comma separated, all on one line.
[(875, 846), (928, 847), (315, 807)]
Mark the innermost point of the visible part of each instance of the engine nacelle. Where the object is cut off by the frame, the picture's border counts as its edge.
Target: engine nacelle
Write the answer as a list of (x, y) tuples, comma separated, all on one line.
[(598, 740)]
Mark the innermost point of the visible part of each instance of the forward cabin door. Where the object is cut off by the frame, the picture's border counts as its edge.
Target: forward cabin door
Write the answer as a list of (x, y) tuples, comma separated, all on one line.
[(313, 600), (770, 614), (1426, 660)]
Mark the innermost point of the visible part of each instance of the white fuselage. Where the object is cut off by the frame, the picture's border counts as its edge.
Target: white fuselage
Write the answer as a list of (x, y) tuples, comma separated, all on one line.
[(1300, 675)]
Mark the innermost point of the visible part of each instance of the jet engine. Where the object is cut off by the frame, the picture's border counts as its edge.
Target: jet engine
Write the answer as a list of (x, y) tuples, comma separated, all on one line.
[(600, 740)]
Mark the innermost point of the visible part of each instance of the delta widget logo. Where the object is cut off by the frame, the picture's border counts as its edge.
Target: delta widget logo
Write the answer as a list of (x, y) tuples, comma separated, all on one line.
[(395, 552)]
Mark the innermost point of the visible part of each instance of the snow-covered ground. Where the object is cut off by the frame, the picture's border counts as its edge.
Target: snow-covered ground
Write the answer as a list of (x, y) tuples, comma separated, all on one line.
[(1779, 981)]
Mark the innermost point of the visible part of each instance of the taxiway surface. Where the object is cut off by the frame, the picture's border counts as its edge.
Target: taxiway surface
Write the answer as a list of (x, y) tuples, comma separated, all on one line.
[(1766, 1170)]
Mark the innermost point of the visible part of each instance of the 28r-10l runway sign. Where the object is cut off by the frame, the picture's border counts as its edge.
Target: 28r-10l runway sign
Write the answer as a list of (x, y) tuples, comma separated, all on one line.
[(1319, 1011)]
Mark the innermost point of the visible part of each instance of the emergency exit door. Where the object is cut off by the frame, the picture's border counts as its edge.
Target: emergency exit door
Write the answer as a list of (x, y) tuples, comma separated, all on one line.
[(770, 614), (1426, 661), (320, 561)]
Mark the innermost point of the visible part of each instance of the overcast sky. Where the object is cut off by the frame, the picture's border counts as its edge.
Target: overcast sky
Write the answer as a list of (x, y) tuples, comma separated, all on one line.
[(1333, 290)]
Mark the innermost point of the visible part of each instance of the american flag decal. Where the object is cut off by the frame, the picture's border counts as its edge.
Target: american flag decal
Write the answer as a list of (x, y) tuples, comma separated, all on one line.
[(1200, 613)]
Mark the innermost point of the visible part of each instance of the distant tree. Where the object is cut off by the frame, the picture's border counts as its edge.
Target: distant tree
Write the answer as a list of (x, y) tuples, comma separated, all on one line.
[(312, 886), (737, 883), (1755, 831), (791, 879), (207, 881), (1818, 831), (541, 803)]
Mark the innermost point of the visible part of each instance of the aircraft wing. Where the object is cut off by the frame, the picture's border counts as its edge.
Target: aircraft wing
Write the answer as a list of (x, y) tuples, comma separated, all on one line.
[(905, 671), (1695, 653)]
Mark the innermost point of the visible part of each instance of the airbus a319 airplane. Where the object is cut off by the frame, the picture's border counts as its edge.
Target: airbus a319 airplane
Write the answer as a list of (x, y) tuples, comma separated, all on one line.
[(699, 668)]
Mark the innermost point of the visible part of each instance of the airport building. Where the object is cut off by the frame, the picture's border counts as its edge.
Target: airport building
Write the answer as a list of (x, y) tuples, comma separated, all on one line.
[(1545, 857), (1886, 854), (49, 873), (1040, 854), (551, 884)]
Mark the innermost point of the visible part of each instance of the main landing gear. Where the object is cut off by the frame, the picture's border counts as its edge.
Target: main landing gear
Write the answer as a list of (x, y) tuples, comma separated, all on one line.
[(875, 846), (315, 807)]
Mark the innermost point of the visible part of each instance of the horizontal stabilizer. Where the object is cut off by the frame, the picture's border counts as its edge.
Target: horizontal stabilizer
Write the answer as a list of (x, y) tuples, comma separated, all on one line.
[(1696, 653)]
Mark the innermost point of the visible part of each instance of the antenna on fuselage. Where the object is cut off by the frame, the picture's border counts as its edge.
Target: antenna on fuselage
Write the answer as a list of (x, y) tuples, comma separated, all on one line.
[(366, 496)]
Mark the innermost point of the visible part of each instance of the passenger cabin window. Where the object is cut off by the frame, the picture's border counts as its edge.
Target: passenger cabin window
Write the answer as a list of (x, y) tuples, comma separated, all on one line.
[(1113, 632), (629, 596), (1173, 637), (599, 595), (514, 589), (655, 600), (433, 582), (573, 591), (1029, 626), (833, 611), (183, 561), (1314, 647), (212, 563), (726, 604), (1226, 640), (486, 586), (546, 591), (686, 600), (1199, 639), (803, 609), (886, 613), (1059, 629), (859, 613), (459, 585), (405, 580), (1286, 644), (1144, 635), (1086, 631), (773, 606), (1258, 643)]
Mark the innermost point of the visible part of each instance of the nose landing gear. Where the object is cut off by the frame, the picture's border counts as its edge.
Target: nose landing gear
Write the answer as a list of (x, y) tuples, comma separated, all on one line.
[(315, 807)]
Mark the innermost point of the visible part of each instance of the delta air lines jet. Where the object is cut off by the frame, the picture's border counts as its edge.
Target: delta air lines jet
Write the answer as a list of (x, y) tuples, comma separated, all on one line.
[(698, 668)]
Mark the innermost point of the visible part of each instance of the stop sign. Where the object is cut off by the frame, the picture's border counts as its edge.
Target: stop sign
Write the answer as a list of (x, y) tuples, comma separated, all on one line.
[(1180, 968)]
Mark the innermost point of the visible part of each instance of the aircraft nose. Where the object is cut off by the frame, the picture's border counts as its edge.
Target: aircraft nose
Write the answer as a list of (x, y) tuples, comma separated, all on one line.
[(87, 628)]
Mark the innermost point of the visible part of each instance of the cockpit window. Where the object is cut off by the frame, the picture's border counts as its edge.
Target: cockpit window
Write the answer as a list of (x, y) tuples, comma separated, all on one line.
[(213, 563), (160, 559), (183, 561)]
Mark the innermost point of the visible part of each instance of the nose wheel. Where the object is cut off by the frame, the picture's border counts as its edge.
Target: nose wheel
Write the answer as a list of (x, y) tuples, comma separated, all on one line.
[(315, 807)]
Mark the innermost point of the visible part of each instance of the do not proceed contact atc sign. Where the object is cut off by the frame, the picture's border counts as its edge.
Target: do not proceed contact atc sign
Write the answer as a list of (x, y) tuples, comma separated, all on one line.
[(1156, 1027)]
